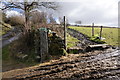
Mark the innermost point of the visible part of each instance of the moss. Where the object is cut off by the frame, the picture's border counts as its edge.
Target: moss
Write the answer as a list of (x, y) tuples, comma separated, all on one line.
[(55, 45), (74, 51), (97, 40)]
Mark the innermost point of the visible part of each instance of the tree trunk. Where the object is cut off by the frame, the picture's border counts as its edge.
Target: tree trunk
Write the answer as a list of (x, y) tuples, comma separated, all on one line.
[(26, 18)]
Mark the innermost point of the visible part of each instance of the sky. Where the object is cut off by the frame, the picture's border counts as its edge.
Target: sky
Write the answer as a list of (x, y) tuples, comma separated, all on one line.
[(99, 12)]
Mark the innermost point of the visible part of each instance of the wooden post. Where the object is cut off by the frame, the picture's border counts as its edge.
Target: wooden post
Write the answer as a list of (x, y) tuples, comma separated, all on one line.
[(101, 32), (92, 29), (65, 43)]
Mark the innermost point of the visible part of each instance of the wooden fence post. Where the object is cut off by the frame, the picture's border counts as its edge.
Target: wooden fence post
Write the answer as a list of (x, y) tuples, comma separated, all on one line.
[(65, 43), (101, 32), (92, 29)]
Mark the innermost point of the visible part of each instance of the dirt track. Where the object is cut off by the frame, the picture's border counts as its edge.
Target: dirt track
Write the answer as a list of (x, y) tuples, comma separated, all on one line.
[(91, 65), (82, 37)]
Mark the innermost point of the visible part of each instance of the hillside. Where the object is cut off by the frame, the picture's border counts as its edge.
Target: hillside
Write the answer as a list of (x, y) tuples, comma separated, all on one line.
[(4, 28)]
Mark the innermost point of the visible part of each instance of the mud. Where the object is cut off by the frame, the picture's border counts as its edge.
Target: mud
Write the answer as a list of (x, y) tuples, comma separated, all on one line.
[(84, 39), (100, 65), (94, 65)]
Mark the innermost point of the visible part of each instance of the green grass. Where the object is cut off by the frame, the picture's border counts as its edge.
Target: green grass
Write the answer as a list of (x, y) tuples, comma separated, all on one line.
[(110, 34), (5, 53), (4, 28), (71, 41), (9, 56), (9, 62)]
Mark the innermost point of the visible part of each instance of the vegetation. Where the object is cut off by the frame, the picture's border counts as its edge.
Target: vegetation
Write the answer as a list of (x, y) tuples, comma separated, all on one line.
[(15, 20), (97, 39), (27, 7), (71, 41), (56, 45), (110, 34), (13, 55), (22, 50), (5, 28), (5, 53)]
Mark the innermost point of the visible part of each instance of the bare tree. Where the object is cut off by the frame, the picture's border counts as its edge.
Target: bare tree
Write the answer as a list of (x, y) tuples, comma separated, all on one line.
[(61, 20), (52, 20), (37, 18), (67, 23), (26, 7)]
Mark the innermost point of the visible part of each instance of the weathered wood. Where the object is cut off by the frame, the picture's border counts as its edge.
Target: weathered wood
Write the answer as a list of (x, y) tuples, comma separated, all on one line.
[(92, 29), (65, 43), (77, 48), (101, 32), (98, 45)]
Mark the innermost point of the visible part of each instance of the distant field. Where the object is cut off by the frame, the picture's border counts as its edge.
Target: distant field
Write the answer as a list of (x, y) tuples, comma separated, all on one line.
[(111, 35)]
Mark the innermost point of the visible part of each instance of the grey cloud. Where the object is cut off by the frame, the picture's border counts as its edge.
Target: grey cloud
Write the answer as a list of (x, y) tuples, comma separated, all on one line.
[(97, 12)]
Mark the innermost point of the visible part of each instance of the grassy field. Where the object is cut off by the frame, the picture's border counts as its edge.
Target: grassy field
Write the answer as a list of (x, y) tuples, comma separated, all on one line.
[(110, 34)]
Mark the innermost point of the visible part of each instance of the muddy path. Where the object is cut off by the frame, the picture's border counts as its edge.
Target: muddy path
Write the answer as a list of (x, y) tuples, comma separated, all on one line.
[(83, 38), (99, 65), (10, 40)]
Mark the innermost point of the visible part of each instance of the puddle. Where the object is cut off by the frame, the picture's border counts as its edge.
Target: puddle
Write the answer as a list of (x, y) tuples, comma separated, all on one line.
[(105, 56)]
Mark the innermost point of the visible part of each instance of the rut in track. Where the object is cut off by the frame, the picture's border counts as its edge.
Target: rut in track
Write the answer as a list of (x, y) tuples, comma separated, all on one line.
[(82, 37)]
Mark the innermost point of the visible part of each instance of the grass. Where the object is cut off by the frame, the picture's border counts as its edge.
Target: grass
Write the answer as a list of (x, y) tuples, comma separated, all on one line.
[(71, 41), (5, 53), (10, 61), (110, 34), (4, 28)]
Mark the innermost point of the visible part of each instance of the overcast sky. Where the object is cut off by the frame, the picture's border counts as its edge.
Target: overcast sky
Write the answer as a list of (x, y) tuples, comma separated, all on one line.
[(100, 12)]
